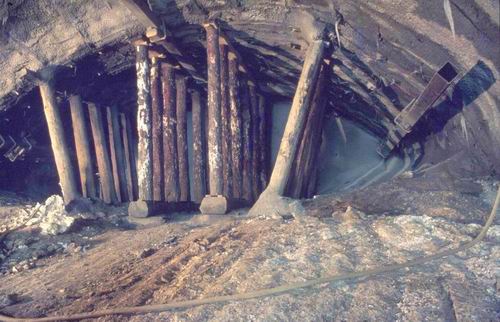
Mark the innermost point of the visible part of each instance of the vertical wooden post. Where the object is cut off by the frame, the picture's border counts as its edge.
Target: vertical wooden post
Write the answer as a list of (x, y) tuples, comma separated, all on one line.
[(101, 150), (170, 157), (264, 142), (182, 147), (296, 118), (256, 145), (117, 155), (236, 134), (144, 126), (129, 157), (58, 142), (302, 174), (156, 106), (82, 144), (246, 142), (199, 156), (226, 123), (214, 110)]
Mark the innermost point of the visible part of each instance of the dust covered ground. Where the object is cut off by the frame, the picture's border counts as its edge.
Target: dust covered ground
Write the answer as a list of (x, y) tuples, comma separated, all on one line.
[(105, 261)]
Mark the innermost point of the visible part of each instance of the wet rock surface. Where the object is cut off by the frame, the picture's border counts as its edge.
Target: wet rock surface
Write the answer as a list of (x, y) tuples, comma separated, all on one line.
[(185, 259)]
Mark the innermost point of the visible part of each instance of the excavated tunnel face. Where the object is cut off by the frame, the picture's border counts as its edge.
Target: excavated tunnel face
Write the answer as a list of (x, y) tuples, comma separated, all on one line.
[(380, 63)]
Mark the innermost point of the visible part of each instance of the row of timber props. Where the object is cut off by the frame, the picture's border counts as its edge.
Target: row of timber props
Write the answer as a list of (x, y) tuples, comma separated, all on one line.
[(406, 120), (232, 170), (162, 164), (114, 154), (237, 140)]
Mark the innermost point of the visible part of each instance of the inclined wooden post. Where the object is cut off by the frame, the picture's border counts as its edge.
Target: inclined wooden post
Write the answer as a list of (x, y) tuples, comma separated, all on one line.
[(101, 150), (58, 142), (296, 118), (82, 144), (264, 143), (302, 174), (156, 107), (199, 156), (117, 154), (236, 138), (182, 146), (256, 145), (226, 123), (129, 158), (170, 156), (246, 142), (144, 126)]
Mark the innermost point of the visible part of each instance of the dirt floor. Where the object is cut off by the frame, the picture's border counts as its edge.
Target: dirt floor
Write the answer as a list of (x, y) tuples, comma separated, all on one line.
[(108, 261)]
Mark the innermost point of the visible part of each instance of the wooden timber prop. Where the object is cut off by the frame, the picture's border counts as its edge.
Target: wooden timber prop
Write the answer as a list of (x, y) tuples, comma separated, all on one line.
[(82, 145), (182, 144), (302, 181), (103, 159), (58, 142), (296, 118)]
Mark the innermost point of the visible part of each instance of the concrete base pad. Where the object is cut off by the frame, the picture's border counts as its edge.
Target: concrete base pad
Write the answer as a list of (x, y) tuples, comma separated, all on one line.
[(214, 205)]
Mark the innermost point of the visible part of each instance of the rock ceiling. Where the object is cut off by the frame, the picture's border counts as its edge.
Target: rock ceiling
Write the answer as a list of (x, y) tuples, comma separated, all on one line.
[(383, 51)]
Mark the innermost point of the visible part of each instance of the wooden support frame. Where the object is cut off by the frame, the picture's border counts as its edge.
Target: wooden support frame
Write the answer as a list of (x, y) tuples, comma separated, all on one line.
[(264, 126), (130, 173), (256, 145), (199, 151), (303, 175), (82, 144), (58, 142), (102, 155), (214, 111), (170, 156), (182, 144), (236, 125), (144, 125), (296, 118), (247, 142), (157, 115), (117, 155), (227, 170)]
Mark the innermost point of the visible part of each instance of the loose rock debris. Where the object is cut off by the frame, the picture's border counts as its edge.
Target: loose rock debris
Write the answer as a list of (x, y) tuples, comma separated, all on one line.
[(188, 260)]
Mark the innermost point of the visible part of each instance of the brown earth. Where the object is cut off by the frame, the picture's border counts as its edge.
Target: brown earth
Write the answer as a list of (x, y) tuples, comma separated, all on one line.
[(114, 264)]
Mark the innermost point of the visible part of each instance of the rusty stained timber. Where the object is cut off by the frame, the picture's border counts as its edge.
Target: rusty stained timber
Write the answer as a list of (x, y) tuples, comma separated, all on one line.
[(236, 124), (247, 142), (225, 122), (256, 145), (156, 107), (182, 145), (108, 193), (82, 145), (117, 157), (144, 126), (296, 118), (199, 155), (302, 182), (58, 142), (170, 156), (214, 111), (130, 175), (264, 142)]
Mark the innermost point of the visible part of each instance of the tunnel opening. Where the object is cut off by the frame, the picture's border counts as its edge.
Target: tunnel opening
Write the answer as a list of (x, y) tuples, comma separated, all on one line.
[(157, 151)]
